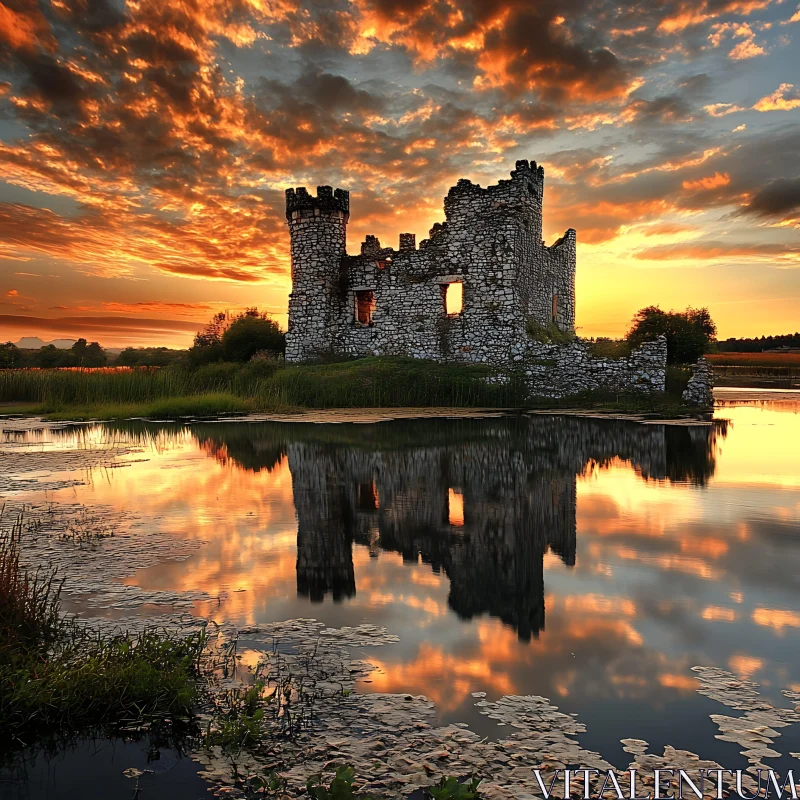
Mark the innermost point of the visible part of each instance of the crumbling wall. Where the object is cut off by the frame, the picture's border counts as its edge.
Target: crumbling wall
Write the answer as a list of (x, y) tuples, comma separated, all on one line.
[(699, 390), (490, 242), (561, 370)]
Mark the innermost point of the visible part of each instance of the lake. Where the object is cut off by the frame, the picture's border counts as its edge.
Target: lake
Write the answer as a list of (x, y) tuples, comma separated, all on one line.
[(591, 561)]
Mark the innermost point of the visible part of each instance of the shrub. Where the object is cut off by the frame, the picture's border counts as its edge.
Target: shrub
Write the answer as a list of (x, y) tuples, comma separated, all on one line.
[(547, 334), (236, 338), (249, 335), (610, 348)]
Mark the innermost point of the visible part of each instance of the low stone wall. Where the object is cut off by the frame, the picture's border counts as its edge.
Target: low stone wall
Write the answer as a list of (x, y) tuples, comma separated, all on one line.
[(560, 370), (699, 392)]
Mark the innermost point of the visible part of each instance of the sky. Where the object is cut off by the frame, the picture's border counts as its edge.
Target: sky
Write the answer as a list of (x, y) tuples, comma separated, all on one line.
[(145, 147)]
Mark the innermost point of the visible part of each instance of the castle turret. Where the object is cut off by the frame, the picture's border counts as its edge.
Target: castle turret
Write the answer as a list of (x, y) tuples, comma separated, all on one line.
[(521, 196), (318, 231)]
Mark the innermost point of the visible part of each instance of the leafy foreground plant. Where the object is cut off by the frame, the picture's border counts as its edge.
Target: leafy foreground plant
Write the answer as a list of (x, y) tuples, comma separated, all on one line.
[(60, 679), (341, 788)]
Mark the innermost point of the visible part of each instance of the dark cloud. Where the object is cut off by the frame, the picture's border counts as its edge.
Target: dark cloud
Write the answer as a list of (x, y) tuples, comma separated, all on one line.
[(52, 81), (335, 93), (663, 110), (780, 198), (96, 325)]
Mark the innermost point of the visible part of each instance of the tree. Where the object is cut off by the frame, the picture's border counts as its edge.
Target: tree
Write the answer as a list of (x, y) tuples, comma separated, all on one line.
[(249, 335), (236, 338), (50, 356), (689, 333), (88, 355), (10, 355)]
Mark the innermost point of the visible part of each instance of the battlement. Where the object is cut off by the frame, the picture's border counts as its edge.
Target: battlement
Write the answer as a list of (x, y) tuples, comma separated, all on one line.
[(326, 200), (526, 184)]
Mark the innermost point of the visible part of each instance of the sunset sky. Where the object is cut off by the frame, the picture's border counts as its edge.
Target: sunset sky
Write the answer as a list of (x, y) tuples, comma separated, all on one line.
[(145, 147)]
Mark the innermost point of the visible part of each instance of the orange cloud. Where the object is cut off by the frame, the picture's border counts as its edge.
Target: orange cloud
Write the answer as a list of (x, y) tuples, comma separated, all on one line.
[(784, 98), (694, 13), (711, 182), (718, 614), (722, 109)]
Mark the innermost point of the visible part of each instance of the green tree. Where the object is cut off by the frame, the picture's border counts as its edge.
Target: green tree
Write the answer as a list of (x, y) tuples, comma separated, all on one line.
[(250, 334), (50, 356), (236, 338), (207, 345), (689, 333), (88, 355), (10, 355)]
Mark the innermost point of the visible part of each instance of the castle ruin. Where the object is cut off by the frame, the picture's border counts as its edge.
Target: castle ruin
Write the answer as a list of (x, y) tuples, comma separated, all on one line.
[(470, 293), (386, 301)]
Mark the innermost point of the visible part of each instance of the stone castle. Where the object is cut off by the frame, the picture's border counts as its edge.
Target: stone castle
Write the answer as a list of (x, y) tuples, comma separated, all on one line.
[(463, 295), (480, 289)]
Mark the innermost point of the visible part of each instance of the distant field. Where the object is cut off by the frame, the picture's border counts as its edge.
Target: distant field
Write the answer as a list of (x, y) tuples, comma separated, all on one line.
[(767, 359)]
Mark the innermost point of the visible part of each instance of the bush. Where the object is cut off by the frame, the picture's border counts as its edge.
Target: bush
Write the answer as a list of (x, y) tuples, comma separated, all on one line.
[(236, 338), (610, 348), (547, 334), (249, 335)]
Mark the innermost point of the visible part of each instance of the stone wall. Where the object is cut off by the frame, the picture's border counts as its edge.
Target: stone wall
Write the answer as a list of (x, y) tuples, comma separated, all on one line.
[(560, 370)]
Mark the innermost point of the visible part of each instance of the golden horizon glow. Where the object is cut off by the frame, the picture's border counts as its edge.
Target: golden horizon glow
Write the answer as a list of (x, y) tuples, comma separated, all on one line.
[(145, 155)]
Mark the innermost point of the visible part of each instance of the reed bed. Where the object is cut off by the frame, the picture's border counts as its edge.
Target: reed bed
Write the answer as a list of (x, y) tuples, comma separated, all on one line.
[(218, 388)]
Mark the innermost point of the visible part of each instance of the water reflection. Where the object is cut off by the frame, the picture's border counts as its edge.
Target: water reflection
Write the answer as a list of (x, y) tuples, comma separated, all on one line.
[(482, 501), (590, 561)]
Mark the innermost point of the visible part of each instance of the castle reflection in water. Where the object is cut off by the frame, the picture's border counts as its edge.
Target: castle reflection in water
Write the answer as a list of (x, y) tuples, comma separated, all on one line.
[(481, 500)]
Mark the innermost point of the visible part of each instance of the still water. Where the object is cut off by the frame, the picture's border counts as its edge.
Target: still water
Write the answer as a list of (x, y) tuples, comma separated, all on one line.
[(590, 561)]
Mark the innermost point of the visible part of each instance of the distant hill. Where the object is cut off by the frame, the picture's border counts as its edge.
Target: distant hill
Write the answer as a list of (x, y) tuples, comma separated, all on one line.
[(34, 343)]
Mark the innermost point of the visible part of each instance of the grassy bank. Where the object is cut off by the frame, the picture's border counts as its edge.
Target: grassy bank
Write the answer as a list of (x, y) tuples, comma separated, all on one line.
[(59, 679), (386, 382), (255, 386)]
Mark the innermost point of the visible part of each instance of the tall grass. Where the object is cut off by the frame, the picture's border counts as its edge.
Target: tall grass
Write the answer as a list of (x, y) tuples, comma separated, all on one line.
[(55, 387), (395, 381), (29, 604), (256, 386), (59, 679)]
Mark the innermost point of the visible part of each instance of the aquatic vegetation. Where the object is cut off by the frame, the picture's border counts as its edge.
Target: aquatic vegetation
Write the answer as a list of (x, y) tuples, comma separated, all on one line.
[(451, 789), (60, 678)]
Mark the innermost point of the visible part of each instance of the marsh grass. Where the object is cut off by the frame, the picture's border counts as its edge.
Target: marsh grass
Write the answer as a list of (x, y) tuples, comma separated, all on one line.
[(172, 392), (59, 679), (270, 386)]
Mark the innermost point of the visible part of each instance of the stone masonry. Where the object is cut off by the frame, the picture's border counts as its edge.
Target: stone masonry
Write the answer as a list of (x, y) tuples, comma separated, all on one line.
[(388, 301)]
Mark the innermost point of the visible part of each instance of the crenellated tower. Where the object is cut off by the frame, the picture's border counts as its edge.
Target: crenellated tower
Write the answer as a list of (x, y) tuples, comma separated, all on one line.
[(318, 232)]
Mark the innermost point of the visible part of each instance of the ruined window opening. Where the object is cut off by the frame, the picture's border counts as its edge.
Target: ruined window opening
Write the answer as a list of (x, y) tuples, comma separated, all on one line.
[(367, 496), (453, 297), (555, 308), (365, 307), (455, 508)]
